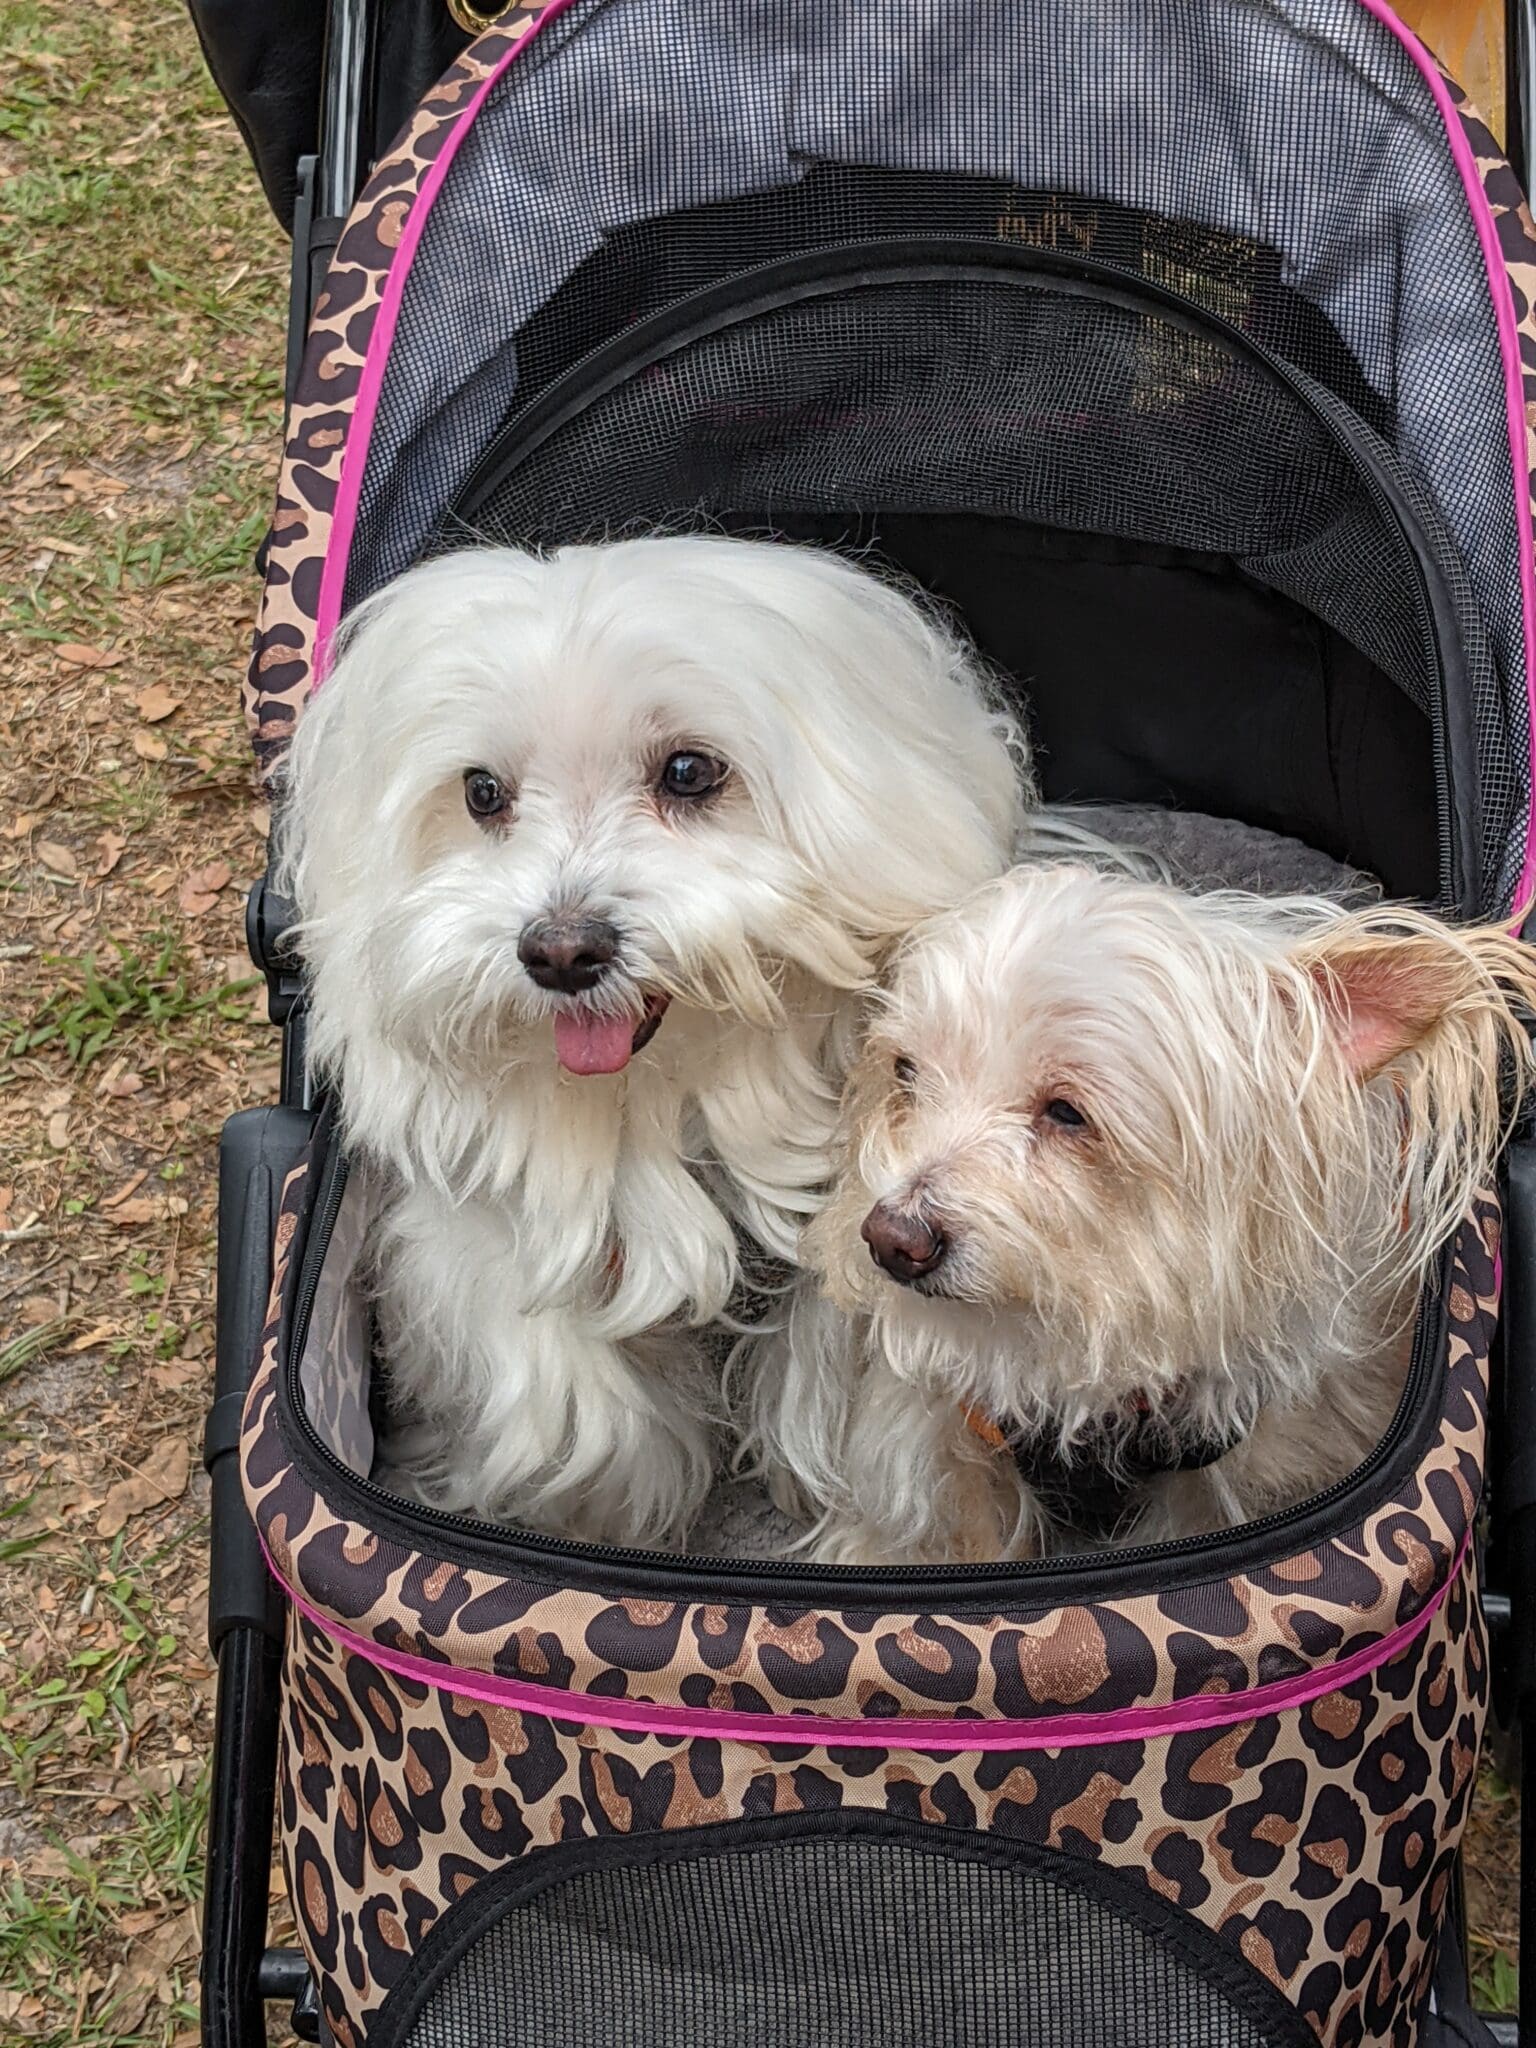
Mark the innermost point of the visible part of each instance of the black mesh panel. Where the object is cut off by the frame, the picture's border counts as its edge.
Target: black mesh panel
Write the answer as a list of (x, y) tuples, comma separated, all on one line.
[(1021, 397), (838, 1943)]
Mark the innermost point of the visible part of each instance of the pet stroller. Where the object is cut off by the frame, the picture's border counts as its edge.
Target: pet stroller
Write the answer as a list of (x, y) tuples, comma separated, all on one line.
[(1186, 348)]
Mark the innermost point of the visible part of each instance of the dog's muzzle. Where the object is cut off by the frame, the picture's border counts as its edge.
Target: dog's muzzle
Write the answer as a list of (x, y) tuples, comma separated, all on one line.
[(905, 1246), (568, 955)]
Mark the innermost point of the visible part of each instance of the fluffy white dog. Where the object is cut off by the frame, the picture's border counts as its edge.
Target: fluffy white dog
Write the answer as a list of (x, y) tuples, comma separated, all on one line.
[(593, 854), (1129, 1167)]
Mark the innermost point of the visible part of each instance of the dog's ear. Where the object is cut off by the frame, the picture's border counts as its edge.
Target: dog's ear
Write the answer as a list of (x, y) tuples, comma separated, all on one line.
[(1393, 978)]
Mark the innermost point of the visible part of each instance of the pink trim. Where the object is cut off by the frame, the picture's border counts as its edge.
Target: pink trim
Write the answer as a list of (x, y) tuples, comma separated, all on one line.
[(1500, 292), (953, 1735), (360, 432)]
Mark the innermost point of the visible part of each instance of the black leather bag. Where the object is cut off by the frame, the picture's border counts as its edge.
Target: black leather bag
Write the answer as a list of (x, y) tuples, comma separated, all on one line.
[(268, 60)]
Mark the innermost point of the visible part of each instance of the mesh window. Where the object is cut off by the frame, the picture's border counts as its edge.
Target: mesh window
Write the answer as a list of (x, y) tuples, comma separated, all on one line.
[(1281, 163), (840, 1941), (1014, 395)]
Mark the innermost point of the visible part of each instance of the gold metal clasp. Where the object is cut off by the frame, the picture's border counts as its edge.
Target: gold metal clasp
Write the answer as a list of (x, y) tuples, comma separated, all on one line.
[(474, 20)]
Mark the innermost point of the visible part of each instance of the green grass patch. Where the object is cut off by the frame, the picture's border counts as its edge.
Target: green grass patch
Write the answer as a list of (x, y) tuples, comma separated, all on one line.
[(108, 999), (51, 1927), (33, 1344)]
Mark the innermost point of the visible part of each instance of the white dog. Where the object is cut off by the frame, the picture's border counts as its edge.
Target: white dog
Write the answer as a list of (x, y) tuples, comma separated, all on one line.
[(1125, 1166), (593, 853)]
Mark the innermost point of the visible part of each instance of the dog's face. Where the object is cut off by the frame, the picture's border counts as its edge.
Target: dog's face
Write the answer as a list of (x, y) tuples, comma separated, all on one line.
[(540, 801), (1092, 1146)]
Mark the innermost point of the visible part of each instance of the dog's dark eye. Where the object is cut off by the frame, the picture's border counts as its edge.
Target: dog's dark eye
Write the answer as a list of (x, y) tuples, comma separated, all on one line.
[(1059, 1111), (904, 1069), (485, 794), (686, 776)]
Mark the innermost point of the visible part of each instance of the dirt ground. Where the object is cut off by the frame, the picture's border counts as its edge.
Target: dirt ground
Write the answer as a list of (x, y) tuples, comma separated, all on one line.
[(141, 307), (141, 296)]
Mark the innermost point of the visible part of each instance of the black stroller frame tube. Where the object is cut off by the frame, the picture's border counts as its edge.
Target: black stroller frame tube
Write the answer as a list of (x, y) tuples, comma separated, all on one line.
[(346, 129), (240, 1973), (1519, 85), (1513, 1546)]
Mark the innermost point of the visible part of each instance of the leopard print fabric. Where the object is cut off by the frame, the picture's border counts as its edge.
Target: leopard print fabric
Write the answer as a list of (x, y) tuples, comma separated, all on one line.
[(1317, 1844), (1021, 1662), (282, 656), (1315, 1840)]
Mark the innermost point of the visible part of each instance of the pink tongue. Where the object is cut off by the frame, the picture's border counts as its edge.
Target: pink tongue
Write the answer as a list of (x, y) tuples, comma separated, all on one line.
[(585, 1044)]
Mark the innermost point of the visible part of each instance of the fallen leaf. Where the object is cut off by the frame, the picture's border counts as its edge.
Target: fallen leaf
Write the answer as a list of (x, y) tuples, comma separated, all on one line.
[(79, 656), (156, 703), (124, 1085), (112, 845), (180, 1372), (162, 1477), (58, 1129), (92, 1338), (149, 746), (137, 1923), (129, 1215), (199, 890), (57, 857), (261, 819), (50, 1862), (179, 1110)]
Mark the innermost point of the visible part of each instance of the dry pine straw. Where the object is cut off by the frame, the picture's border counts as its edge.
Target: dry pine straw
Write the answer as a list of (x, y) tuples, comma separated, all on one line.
[(141, 285)]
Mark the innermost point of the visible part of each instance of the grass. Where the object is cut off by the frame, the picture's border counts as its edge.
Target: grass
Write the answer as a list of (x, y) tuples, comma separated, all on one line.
[(47, 1924), (142, 289), (20, 1352), (154, 990)]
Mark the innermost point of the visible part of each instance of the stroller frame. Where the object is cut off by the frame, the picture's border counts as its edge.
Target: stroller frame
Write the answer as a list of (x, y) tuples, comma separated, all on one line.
[(241, 1973)]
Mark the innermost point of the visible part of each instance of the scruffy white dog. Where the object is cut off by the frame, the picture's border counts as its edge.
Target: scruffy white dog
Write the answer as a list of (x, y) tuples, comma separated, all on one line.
[(1124, 1161), (593, 853)]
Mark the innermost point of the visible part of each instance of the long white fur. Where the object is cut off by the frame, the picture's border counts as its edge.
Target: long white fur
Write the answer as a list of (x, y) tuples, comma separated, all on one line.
[(1291, 1107), (546, 1240)]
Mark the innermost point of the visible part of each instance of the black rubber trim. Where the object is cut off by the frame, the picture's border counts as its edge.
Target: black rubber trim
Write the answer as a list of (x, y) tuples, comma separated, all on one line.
[(953, 1589), (466, 1921)]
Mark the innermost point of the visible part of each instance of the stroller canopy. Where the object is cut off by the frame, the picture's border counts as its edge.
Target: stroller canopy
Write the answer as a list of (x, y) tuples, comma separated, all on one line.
[(1208, 319)]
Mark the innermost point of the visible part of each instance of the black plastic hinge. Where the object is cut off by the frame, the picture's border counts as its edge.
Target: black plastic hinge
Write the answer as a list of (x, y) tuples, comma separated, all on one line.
[(269, 924), (284, 1974)]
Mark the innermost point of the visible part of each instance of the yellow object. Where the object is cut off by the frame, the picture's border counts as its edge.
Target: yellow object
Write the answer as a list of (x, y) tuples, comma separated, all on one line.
[(474, 20), (1468, 38)]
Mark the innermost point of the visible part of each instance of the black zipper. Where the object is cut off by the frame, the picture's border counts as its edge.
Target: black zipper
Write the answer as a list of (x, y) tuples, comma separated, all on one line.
[(845, 266), (762, 1577)]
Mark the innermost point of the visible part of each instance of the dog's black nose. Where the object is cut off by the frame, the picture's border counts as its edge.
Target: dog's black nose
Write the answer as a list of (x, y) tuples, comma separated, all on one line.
[(570, 954), (902, 1245)]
